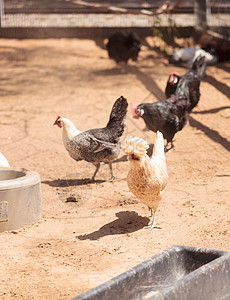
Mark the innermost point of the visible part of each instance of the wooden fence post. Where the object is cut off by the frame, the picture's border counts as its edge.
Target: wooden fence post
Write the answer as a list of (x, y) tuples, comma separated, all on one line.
[(200, 11), (1, 11)]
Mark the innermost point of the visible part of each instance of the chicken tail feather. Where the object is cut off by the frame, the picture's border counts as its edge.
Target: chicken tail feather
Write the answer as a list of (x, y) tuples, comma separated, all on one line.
[(159, 145), (117, 117), (199, 66)]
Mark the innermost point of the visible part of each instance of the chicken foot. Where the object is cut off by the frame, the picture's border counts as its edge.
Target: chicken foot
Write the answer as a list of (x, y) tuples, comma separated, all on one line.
[(153, 223)]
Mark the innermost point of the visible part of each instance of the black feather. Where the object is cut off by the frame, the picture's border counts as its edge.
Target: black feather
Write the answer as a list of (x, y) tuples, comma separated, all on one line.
[(189, 85), (115, 127), (168, 116), (124, 45)]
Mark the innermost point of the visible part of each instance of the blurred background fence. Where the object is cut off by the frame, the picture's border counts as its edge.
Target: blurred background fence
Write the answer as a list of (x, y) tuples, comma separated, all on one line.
[(73, 17), (218, 17)]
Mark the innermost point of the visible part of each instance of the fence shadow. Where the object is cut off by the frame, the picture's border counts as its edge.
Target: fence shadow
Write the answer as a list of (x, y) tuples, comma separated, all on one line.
[(211, 111), (222, 87), (211, 133)]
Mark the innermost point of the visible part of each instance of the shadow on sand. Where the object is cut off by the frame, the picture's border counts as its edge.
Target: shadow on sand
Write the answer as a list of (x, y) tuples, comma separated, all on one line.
[(126, 222)]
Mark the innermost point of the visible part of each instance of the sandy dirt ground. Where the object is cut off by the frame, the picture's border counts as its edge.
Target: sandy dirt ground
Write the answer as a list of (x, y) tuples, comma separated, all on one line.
[(79, 245)]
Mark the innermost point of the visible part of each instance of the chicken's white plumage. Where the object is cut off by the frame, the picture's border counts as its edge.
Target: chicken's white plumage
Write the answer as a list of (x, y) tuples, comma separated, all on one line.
[(159, 146), (3, 161), (186, 56)]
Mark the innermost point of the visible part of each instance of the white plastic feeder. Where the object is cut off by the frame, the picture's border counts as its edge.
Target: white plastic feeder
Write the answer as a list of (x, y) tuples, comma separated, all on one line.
[(20, 198)]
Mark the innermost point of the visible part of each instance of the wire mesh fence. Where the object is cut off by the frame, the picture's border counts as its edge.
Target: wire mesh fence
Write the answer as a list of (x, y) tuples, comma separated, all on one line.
[(218, 17), (75, 13), (63, 13), (94, 6)]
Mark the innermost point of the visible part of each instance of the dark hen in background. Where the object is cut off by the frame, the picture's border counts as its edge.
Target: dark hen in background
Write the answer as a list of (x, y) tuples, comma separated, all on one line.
[(191, 80), (124, 45), (170, 116), (189, 84), (172, 84)]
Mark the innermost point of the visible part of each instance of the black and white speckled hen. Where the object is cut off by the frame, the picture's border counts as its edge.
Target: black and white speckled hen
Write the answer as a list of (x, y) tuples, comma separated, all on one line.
[(123, 45), (96, 145)]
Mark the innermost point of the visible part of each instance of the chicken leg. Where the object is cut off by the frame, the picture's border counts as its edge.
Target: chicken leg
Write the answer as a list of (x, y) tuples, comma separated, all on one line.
[(98, 167), (111, 171), (170, 148), (95, 173), (153, 223)]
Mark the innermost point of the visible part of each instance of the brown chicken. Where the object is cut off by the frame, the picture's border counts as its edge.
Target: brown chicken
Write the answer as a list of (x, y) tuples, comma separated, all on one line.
[(147, 177)]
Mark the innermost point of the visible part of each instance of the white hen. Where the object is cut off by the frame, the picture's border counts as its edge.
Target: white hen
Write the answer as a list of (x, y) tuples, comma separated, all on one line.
[(3, 161), (186, 56)]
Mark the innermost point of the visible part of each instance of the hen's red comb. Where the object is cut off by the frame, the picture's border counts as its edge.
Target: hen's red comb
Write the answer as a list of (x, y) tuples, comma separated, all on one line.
[(58, 117), (133, 107)]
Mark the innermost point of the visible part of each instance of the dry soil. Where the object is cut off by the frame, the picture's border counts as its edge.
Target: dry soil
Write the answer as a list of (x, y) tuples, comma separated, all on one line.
[(79, 245)]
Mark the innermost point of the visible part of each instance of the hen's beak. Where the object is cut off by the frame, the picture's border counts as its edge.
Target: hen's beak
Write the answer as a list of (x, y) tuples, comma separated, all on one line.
[(171, 80), (136, 116), (57, 123), (133, 157)]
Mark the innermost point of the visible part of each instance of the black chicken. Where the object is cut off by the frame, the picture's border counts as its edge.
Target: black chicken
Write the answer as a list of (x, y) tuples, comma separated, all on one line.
[(189, 84), (170, 116), (167, 116), (172, 84), (124, 45)]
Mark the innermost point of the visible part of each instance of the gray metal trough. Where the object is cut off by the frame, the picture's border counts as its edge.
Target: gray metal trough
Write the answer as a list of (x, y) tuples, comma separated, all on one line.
[(20, 198), (178, 273)]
